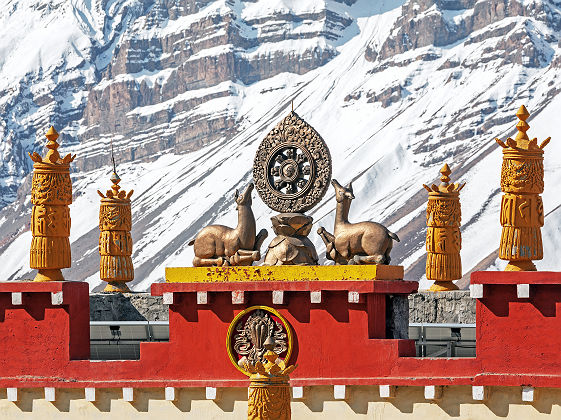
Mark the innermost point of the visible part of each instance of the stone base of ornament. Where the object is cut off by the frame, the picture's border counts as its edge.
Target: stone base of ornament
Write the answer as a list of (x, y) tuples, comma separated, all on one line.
[(526, 265), (117, 286), (443, 286), (49, 275)]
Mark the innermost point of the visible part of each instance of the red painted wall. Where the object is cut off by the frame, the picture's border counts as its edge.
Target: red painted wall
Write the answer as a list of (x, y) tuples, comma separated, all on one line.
[(337, 342)]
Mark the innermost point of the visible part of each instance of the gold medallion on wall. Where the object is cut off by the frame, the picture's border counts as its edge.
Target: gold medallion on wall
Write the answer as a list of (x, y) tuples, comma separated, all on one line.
[(253, 331)]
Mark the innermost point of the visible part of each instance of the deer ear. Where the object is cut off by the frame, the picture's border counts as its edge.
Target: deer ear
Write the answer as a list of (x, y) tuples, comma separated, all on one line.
[(350, 186), (236, 194), (335, 183)]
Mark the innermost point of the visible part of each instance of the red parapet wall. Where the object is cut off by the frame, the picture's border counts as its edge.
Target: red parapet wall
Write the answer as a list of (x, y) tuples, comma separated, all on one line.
[(44, 335), (519, 326)]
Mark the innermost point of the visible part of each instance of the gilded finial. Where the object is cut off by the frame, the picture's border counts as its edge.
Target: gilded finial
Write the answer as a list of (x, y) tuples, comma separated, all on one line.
[(52, 155), (522, 142), (115, 192), (52, 134), (445, 186), (522, 125), (445, 171), (292, 103), (115, 187)]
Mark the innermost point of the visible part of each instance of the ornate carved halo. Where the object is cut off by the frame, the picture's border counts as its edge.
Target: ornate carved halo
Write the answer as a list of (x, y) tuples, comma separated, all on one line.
[(249, 329), (292, 166)]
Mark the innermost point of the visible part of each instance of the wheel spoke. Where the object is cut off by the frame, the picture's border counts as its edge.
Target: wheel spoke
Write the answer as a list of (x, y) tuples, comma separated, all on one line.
[(290, 153), (290, 188)]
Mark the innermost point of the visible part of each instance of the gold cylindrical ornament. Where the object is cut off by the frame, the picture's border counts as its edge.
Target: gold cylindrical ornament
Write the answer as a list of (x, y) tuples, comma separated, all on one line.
[(269, 390), (268, 400), (115, 241), (51, 194), (444, 240), (522, 214)]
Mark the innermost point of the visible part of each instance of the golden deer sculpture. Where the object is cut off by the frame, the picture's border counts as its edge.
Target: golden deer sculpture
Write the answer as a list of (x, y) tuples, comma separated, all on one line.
[(218, 245), (355, 243)]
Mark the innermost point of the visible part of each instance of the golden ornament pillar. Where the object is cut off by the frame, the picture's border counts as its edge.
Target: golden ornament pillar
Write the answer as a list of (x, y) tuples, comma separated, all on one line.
[(444, 240), (522, 183), (115, 241), (269, 390), (51, 194)]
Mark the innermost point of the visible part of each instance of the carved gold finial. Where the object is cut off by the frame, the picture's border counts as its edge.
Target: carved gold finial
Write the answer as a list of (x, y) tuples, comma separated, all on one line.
[(444, 241), (115, 241), (522, 125), (522, 214), (51, 193), (52, 155), (269, 390), (445, 171)]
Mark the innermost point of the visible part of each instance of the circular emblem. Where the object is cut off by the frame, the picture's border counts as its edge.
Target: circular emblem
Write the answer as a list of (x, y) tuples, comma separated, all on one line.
[(249, 330), (292, 167)]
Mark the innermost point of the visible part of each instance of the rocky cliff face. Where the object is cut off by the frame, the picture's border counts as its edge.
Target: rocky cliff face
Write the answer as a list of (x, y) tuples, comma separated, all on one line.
[(185, 90), (442, 23), (134, 71), (182, 55)]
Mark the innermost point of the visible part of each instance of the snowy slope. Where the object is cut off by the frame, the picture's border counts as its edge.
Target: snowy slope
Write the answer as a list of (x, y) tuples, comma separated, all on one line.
[(51, 54), (390, 123)]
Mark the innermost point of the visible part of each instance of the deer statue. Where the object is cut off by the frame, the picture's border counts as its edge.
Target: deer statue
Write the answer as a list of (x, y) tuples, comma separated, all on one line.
[(218, 245), (355, 243)]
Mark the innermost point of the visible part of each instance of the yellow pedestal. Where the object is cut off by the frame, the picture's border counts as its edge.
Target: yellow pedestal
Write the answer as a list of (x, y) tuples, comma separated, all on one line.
[(283, 273)]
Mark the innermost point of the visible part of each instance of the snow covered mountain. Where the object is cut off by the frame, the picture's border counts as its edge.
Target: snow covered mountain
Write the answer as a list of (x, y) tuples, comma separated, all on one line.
[(186, 90)]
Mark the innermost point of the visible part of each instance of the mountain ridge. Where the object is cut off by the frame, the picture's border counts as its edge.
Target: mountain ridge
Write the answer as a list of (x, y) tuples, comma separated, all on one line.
[(185, 139)]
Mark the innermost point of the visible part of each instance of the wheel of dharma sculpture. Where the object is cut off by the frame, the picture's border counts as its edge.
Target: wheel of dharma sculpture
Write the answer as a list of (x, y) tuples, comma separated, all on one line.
[(292, 167)]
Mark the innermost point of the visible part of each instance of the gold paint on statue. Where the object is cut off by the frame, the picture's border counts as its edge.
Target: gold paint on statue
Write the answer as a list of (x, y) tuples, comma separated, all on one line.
[(51, 193), (522, 213), (115, 241), (269, 390), (444, 241)]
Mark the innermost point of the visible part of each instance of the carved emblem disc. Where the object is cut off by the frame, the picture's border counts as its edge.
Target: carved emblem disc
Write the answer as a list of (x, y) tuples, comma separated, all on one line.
[(292, 166), (249, 330)]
